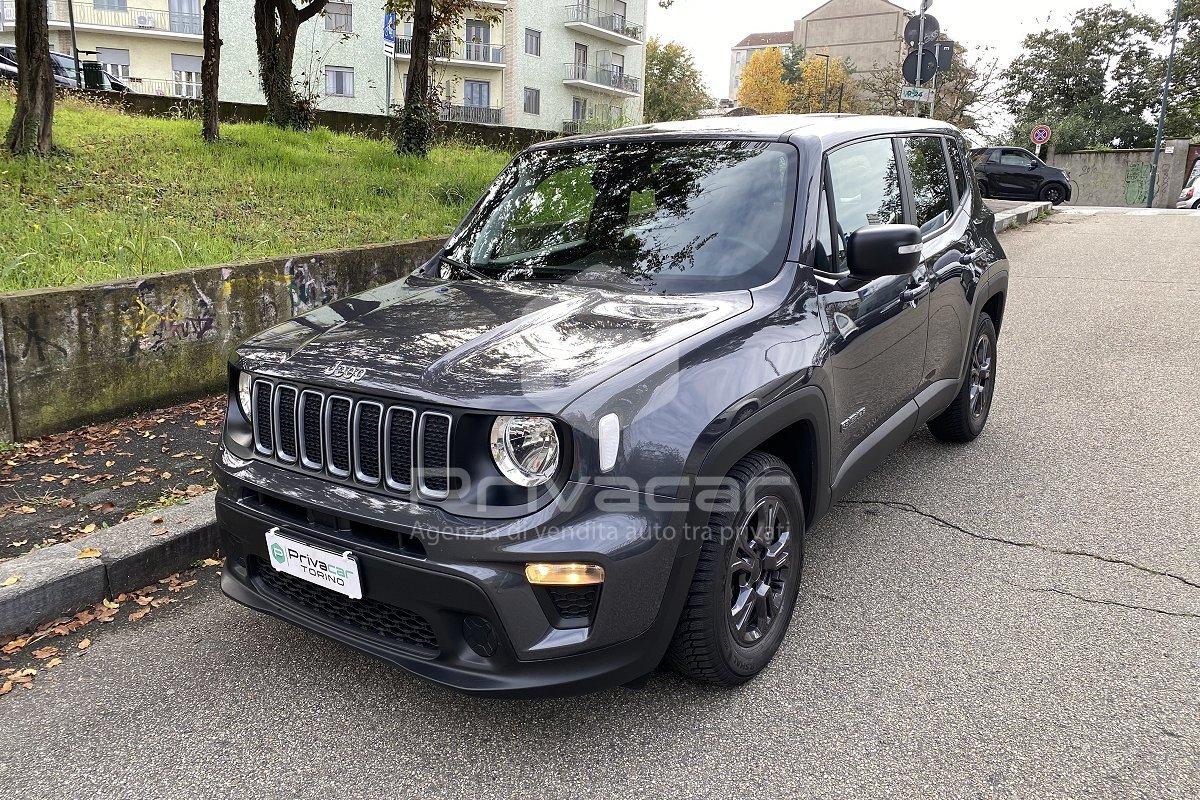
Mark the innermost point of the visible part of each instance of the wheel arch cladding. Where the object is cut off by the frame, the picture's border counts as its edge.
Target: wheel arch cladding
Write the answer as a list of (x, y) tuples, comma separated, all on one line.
[(994, 308)]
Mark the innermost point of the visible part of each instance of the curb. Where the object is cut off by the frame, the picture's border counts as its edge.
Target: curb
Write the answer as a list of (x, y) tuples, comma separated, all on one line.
[(133, 554), (1022, 215)]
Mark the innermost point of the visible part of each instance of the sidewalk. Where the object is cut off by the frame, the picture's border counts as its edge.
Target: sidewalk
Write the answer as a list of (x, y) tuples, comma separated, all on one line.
[(64, 486)]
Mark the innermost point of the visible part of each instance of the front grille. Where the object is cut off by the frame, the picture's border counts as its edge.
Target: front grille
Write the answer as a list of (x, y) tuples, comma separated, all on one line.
[(573, 601), (391, 623), (363, 440)]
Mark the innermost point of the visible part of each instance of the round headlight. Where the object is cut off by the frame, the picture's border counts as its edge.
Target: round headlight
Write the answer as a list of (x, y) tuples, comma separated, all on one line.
[(525, 449), (243, 392)]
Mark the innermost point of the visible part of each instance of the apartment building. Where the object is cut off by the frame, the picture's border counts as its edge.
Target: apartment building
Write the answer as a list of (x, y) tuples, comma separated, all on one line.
[(548, 64), (867, 33), (740, 54), (154, 46)]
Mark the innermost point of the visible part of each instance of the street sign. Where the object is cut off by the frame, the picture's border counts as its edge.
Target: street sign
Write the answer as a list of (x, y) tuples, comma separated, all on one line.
[(928, 66), (389, 31), (912, 31), (916, 94), (945, 55), (1040, 135)]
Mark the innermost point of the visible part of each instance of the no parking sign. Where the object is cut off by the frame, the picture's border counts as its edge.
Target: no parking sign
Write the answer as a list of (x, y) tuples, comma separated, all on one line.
[(1040, 135)]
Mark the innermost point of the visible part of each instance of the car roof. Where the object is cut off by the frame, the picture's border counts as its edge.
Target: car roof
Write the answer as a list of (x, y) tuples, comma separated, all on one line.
[(829, 128)]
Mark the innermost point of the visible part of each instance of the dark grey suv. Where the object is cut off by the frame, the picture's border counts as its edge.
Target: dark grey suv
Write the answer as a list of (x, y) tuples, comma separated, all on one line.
[(590, 435)]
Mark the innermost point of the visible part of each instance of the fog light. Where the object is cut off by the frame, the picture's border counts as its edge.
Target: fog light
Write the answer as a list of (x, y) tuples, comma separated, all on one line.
[(569, 574)]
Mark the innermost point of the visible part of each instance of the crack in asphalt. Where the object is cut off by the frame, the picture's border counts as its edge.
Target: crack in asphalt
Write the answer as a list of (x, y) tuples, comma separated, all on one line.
[(1098, 601), (1019, 543)]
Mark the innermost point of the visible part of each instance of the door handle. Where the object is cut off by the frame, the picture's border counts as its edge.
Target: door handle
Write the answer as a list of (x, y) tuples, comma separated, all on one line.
[(915, 293)]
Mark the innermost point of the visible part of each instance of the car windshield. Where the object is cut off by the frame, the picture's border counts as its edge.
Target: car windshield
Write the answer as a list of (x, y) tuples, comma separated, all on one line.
[(666, 217)]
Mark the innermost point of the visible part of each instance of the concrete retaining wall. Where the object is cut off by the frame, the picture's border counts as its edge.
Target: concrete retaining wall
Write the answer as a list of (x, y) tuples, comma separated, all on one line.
[(87, 353), (1122, 177)]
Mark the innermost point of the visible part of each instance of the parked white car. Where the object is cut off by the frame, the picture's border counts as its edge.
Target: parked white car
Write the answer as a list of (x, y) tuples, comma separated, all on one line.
[(1190, 196)]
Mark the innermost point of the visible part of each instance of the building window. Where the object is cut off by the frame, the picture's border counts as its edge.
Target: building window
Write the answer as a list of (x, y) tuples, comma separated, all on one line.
[(339, 81), (114, 62), (533, 101), (186, 71), (477, 94), (110, 5), (339, 17), (533, 42)]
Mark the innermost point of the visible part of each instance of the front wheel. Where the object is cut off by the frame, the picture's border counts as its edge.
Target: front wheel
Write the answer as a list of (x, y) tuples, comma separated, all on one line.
[(1055, 193), (964, 419), (744, 589)]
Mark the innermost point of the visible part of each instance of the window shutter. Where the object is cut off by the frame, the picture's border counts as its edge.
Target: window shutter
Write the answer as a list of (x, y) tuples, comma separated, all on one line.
[(182, 63), (110, 55)]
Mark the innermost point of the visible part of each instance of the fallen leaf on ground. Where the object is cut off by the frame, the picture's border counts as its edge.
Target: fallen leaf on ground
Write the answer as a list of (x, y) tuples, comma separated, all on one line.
[(25, 510), (89, 552), (43, 653), (160, 532), (66, 502), (156, 521), (10, 580), (84, 644), (19, 543), (52, 663), (211, 562), (141, 612), (91, 526), (110, 604)]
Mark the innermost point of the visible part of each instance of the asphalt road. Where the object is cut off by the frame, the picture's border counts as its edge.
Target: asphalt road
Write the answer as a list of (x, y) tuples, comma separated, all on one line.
[(1019, 617)]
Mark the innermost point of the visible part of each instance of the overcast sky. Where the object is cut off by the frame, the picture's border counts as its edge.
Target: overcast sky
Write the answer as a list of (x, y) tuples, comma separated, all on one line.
[(710, 27)]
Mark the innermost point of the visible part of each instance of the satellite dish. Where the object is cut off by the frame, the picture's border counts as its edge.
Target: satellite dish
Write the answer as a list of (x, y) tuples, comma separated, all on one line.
[(912, 31)]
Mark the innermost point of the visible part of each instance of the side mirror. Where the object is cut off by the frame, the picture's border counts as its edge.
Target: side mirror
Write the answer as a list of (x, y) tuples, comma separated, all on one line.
[(1034, 165), (879, 250)]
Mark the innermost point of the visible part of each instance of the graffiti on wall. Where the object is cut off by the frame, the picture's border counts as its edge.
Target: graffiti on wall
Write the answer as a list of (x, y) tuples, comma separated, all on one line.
[(35, 342), (1137, 183), (154, 324), (307, 287)]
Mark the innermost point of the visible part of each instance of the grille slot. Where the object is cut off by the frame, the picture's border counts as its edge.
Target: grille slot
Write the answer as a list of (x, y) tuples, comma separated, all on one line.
[(362, 440), (380, 620), (434, 455), (367, 418), (337, 435), (572, 602), (285, 423), (262, 418), (399, 448)]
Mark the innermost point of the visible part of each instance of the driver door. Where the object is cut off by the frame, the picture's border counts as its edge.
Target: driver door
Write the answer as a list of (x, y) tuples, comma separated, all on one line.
[(877, 328)]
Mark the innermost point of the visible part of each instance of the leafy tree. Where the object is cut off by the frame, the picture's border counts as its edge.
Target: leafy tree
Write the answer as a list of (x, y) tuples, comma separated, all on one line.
[(811, 92), (1183, 106), (1094, 70), (967, 95), (210, 68), (276, 23), (674, 86), (32, 125), (762, 87)]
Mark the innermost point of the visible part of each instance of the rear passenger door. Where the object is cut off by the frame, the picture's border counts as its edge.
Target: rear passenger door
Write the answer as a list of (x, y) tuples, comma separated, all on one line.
[(941, 201), (877, 336)]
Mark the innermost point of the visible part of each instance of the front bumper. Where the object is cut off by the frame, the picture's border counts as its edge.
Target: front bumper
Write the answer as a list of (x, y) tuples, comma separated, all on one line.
[(456, 608)]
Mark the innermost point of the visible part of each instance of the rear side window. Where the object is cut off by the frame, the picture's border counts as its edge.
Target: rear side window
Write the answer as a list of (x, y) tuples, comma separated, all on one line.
[(930, 181)]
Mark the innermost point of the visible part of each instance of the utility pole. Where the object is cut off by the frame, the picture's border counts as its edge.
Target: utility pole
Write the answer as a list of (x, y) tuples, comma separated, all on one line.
[(1162, 111), (825, 105)]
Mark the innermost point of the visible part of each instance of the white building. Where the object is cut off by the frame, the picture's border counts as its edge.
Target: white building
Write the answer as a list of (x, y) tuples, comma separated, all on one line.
[(155, 46), (546, 64), (740, 54)]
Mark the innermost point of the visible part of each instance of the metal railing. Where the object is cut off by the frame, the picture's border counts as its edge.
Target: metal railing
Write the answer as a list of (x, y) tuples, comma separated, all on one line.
[(114, 14), (480, 115), (479, 52), (591, 15), (164, 87), (570, 127), (614, 77)]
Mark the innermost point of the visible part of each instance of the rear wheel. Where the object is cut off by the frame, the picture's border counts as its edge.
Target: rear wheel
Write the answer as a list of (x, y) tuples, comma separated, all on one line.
[(966, 416), (1054, 192), (747, 576)]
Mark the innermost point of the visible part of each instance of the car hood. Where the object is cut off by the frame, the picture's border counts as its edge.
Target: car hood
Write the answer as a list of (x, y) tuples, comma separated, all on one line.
[(481, 343)]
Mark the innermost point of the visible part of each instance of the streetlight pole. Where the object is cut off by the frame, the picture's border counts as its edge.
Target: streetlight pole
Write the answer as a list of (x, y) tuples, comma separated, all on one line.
[(1162, 111), (74, 44), (825, 105)]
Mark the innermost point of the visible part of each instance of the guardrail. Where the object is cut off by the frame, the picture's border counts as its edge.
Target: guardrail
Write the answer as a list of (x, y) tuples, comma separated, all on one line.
[(613, 77)]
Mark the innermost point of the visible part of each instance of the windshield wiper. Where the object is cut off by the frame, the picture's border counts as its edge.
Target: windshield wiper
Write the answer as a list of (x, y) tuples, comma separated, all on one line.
[(464, 267)]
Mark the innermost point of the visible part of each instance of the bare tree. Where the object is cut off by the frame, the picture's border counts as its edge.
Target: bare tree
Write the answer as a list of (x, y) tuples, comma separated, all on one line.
[(32, 125), (210, 69), (276, 23), (967, 95)]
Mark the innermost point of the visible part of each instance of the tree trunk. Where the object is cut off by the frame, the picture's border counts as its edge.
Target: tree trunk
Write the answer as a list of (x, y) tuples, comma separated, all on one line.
[(276, 23), (416, 121), (210, 69), (33, 120)]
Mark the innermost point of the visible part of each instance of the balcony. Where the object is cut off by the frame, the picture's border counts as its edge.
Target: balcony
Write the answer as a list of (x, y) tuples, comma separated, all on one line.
[(607, 79), (475, 54), (585, 18), (479, 115), (110, 14), (164, 87)]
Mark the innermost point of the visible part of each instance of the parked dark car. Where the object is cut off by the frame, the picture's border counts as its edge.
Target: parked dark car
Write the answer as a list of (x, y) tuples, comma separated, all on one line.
[(1013, 173), (591, 433), (63, 66)]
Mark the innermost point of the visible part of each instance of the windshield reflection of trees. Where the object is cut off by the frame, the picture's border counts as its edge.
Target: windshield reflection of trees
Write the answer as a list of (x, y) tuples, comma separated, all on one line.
[(630, 213)]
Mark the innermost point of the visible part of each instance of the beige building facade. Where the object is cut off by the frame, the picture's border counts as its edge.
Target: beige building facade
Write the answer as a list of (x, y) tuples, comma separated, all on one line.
[(867, 33)]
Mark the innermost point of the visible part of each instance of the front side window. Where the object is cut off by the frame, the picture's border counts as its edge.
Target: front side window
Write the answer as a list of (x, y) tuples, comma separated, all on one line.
[(865, 181), (930, 181), (667, 217), (1016, 158), (339, 81)]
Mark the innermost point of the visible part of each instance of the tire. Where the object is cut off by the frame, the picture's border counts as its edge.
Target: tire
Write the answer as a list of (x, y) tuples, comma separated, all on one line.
[(709, 646), (984, 192), (965, 418), (1056, 193)]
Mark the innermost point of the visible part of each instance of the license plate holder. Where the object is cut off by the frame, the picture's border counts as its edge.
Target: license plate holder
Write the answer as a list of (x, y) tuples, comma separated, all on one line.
[(335, 571)]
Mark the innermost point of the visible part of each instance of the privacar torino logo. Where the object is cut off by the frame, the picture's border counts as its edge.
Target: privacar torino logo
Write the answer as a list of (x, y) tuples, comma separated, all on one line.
[(277, 553)]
